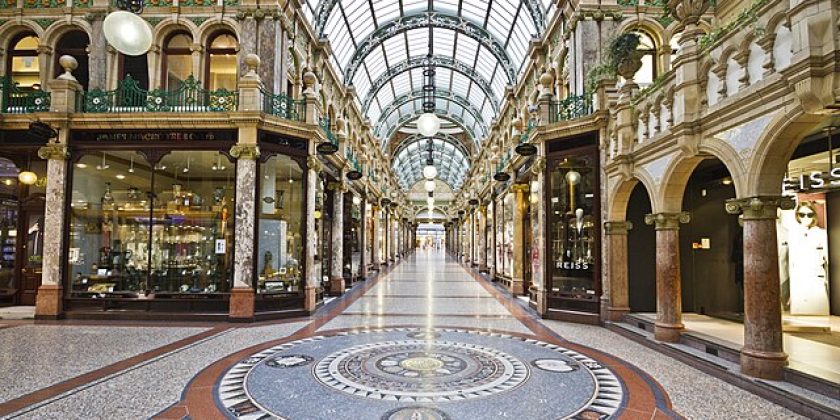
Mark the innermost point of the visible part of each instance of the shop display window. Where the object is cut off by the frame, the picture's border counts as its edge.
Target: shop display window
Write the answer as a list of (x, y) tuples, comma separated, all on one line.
[(222, 65), (368, 232), (137, 229), (507, 242), (281, 209), (500, 236), (355, 245), (572, 232), (489, 245), (321, 237)]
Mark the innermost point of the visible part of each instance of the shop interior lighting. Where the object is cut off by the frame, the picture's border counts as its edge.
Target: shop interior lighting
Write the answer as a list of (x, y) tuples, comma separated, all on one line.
[(131, 164), (104, 165)]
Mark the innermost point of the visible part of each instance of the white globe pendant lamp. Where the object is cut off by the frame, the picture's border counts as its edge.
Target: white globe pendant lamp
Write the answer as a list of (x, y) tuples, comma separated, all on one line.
[(430, 201), (428, 124), (127, 32), (430, 172), (430, 185)]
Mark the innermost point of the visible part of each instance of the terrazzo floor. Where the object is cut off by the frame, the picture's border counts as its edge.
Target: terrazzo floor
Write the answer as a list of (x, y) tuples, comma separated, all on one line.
[(424, 340)]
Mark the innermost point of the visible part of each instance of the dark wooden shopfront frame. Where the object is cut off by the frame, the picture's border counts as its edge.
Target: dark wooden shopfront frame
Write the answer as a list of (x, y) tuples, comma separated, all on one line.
[(580, 145)]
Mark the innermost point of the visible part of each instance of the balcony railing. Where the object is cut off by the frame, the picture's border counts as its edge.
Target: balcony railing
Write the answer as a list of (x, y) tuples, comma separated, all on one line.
[(325, 126), (17, 100), (570, 108), (283, 106), (190, 96)]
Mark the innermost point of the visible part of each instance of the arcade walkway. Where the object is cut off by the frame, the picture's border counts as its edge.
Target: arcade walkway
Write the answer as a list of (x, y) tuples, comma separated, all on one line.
[(426, 339)]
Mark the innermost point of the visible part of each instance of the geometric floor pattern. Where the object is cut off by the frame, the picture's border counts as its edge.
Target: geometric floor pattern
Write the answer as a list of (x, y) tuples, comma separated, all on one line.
[(418, 373)]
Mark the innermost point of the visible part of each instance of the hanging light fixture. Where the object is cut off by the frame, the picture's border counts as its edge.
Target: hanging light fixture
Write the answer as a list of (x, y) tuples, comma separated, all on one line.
[(126, 31), (429, 124), (430, 171), (430, 185), (27, 177)]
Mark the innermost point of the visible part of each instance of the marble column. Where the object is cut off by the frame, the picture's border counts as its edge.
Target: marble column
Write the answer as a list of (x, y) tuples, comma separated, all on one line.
[(491, 262), (482, 238), (763, 355), (97, 57), (242, 295), (668, 324), (337, 239), (48, 302), (473, 242), (517, 283), (376, 256), (312, 273), (363, 240), (539, 257), (616, 293), (394, 222)]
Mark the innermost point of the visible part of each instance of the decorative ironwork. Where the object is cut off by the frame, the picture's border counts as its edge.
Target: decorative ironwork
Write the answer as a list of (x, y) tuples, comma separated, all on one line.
[(385, 134), (190, 96), (575, 106), (438, 61), (425, 20), (439, 93), (283, 106), (355, 171), (330, 146), (18, 100)]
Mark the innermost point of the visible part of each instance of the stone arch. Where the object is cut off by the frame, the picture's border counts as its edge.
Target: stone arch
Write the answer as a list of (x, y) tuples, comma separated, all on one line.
[(55, 31), (620, 194), (675, 179), (647, 24), (12, 28), (774, 21), (170, 25), (213, 26), (774, 148)]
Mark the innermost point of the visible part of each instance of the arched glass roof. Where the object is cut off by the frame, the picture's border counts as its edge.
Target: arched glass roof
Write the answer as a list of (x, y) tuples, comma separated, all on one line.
[(448, 157), (477, 48)]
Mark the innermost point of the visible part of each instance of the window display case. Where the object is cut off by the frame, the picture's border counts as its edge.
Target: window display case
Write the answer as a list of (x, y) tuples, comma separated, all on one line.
[(280, 203), (509, 203), (500, 236), (573, 233)]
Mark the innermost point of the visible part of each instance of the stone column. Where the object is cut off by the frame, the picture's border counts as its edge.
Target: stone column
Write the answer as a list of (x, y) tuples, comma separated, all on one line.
[(482, 238), (539, 258), (394, 222), (668, 295), (376, 257), (312, 274), (337, 239), (762, 355), (473, 241), (48, 302), (615, 300), (97, 56), (363, 238), (518, 273), (246, 153)]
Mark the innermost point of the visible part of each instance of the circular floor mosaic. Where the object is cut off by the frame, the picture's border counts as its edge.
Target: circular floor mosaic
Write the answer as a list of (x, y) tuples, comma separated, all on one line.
[(419, 374)]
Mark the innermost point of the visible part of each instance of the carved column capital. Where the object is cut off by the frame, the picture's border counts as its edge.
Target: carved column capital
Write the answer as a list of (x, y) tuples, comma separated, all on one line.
[(312, 162), (618, 227), (758, 208), (245, 151), (338, 186), (667, 221), (538, 166), (519, 188), (54, 151)]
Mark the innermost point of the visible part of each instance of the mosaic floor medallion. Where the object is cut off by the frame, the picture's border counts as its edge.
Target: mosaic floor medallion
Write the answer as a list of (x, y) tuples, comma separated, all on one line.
[(408, 373)]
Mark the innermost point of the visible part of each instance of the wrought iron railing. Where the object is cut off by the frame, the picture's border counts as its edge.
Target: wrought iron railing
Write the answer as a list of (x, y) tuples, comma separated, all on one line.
[(283, 106), (18, 100), (532, 124), (575, 106), (325, 126), (190, 96)]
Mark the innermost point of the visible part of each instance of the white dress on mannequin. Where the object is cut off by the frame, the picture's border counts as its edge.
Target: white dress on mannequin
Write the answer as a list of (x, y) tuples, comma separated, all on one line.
[(807, 249)]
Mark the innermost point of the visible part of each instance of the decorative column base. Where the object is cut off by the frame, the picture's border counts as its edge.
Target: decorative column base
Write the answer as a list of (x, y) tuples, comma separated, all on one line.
[(517, 287), (763, 365), (337, 285), (241, 305), (616, 314), (48, 303), (542, 302), (310, 299), (669, 333)]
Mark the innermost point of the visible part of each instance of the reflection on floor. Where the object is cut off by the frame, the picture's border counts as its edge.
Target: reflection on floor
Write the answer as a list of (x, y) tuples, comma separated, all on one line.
[(807, 352)]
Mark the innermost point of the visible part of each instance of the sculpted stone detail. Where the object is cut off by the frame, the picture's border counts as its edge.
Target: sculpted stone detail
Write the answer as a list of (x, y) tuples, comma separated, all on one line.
[(758, 208), (667, 221), (618, 227), (54, 151), (245, 151)]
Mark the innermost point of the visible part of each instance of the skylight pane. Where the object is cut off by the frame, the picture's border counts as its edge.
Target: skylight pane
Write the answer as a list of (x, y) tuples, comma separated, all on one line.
[(442, 77), (486, 63), (466, 49), (386, 10), (417, 80), (359, 18), (499, 82), (395, 49), (476, 96), (447, 6), (444, 41), (460, 84), (414, 6), (334, 24), (475, 10), (375, 62), (418, 42)]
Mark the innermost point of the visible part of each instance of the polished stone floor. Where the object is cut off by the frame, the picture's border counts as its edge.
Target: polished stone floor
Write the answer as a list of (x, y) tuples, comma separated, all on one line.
[(423, 340)]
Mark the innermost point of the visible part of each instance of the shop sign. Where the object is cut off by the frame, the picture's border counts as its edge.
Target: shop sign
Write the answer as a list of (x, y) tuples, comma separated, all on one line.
[(813, 180), (568, 265), (141, 136)]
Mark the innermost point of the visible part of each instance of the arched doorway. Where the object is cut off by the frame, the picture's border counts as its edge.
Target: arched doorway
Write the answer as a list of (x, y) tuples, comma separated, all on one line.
[(641, 253)]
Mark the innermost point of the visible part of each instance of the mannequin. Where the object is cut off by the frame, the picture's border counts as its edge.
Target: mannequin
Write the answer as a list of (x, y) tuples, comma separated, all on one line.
[(808, 263)]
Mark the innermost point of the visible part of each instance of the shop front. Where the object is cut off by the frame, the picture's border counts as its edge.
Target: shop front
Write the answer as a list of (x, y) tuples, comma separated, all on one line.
[(572, 270), (22, 199)]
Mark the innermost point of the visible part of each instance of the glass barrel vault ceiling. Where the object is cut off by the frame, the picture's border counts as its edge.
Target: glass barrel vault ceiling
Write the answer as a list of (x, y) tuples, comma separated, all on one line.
[(448, 156), (478, 48)]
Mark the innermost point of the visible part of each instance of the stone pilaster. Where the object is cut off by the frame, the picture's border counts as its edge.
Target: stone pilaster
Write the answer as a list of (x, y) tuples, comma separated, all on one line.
[(616, 300), (394, 222), (537, 258), (312, 273), (337, 239), (482, 238), (242, 296), (97, 56), (363, 239), (48, 303), (668, 324), (763, 355), (376, 257), (517, 285)]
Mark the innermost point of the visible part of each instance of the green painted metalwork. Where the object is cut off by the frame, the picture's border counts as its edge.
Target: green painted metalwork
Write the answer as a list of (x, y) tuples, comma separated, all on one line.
[(283, 106), (575, 106), (325, 126), (157, 3), (45, 4), (17, 100), (8, 4), (190, 96)]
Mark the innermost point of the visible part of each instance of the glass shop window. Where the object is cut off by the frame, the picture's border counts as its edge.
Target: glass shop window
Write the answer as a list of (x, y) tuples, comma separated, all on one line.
[(138, 229), (510, 211), (500, 235), (281, 210), (222, 66), (573, 227)]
